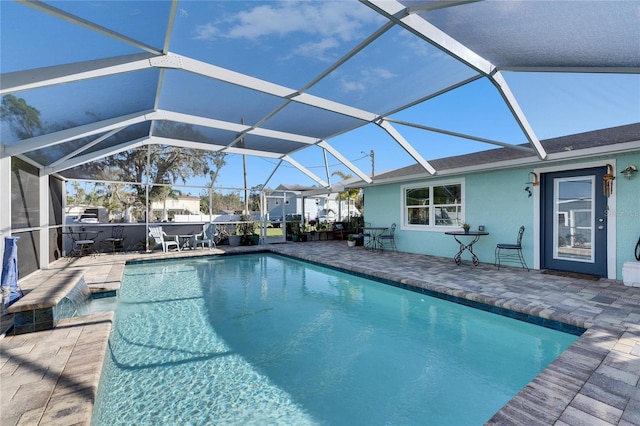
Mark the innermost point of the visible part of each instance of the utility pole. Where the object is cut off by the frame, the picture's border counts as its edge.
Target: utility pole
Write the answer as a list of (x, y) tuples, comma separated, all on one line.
[(372, 155)]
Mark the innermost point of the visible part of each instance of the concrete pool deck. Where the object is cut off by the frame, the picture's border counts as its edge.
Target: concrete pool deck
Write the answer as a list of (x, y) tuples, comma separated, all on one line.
[(51, 377)]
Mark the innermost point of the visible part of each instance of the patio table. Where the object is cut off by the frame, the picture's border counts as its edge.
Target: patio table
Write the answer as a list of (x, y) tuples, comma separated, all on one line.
[(374, 233), (81, 242), (185, 241), (468, 246)]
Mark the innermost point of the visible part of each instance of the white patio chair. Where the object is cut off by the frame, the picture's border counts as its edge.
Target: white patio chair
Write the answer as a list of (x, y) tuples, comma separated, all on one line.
[(161, 238), (207, 236)]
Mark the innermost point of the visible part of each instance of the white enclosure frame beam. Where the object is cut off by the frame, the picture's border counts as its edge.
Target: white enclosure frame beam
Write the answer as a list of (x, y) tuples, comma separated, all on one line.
[(85, 147), (5, 204), (87, 158), (264, 185), (59, 13), (202, 68), (500, 83), (345, 161), (231, 127), (403, 16), (306, 171), (69, 73), (67, 135), (238, 151), (387, 127), (43, 229), (460, 135)]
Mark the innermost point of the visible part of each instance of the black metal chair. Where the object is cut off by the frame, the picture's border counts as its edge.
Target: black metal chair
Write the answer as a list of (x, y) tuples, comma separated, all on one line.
[(116, 241), (388, 238), (81, 244), (366, 235), (511, 252)]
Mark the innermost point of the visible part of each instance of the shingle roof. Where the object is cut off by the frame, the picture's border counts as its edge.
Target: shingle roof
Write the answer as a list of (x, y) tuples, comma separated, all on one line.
[(573, 143)]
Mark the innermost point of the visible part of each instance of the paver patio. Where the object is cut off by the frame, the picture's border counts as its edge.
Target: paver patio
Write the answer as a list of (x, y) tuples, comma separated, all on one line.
[(51, 377)]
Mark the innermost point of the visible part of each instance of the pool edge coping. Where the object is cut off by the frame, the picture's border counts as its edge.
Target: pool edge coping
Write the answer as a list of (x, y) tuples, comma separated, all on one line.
[(552, 396)]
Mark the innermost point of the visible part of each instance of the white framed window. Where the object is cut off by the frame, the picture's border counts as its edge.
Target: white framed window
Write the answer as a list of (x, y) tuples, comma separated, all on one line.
[(434, 206)]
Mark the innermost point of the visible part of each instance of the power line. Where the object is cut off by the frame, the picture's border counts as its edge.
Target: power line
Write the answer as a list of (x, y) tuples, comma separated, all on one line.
[(315, 167)]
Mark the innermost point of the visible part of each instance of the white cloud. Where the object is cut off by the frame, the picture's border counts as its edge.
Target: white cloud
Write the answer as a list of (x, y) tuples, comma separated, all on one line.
[(365, 79), (318, 49), (206, 32), (352, 86), (378, 73), (327, 23), (342, 20)]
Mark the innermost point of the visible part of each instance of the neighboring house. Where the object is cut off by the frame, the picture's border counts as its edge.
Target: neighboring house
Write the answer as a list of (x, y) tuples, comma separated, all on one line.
[(86, 214), (181, 205), (572, 223), (287, 200)]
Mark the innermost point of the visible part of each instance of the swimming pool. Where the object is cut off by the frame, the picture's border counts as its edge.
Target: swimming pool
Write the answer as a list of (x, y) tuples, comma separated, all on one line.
[(264, 339)]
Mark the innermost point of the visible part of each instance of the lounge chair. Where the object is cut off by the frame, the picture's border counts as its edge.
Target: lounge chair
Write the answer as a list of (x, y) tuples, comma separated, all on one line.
[(161, 238), (207, 236)]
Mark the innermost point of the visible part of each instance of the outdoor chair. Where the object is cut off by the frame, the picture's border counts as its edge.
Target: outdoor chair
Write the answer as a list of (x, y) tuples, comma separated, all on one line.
[(80, 244), (339, 232), (161, 238), (207, 236), (366, 235), (511, 252), (116, 241), (388, 238)]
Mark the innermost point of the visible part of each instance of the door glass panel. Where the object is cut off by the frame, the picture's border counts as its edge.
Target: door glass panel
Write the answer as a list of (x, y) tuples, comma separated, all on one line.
[(574, 224)]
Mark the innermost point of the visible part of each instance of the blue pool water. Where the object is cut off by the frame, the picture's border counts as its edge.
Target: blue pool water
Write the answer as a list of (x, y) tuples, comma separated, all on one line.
[(262, 339)]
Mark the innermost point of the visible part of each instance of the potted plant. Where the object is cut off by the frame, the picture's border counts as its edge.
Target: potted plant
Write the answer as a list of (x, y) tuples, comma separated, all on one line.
[(299, 234), (466, 227), (255, 239), (351, 240), (246, 230), (234, 240)]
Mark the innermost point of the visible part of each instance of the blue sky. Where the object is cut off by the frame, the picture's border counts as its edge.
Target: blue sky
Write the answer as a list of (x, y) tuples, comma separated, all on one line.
[(290, 44)]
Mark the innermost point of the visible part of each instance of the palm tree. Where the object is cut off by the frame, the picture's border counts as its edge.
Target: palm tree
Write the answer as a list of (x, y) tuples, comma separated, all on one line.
[(352, 193)]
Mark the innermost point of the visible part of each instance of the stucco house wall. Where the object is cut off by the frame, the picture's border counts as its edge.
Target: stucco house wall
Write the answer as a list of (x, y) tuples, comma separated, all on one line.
[(498, 200)]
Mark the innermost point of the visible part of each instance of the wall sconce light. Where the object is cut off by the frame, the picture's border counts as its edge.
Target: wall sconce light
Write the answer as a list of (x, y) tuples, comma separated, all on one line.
[(608, 181), (533, 179), (629, 171), (277, 202)]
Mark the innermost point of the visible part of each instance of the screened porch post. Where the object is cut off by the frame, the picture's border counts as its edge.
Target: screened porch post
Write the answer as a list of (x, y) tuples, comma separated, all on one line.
[(5, 202), (44, 223), (263, 216), (146, 200)]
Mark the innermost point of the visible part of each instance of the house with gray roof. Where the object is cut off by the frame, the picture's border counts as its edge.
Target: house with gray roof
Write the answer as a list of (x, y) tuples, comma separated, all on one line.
[(580, 207)]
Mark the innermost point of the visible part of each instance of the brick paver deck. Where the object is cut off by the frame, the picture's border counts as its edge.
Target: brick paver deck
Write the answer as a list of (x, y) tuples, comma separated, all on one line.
[(51, 377)]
